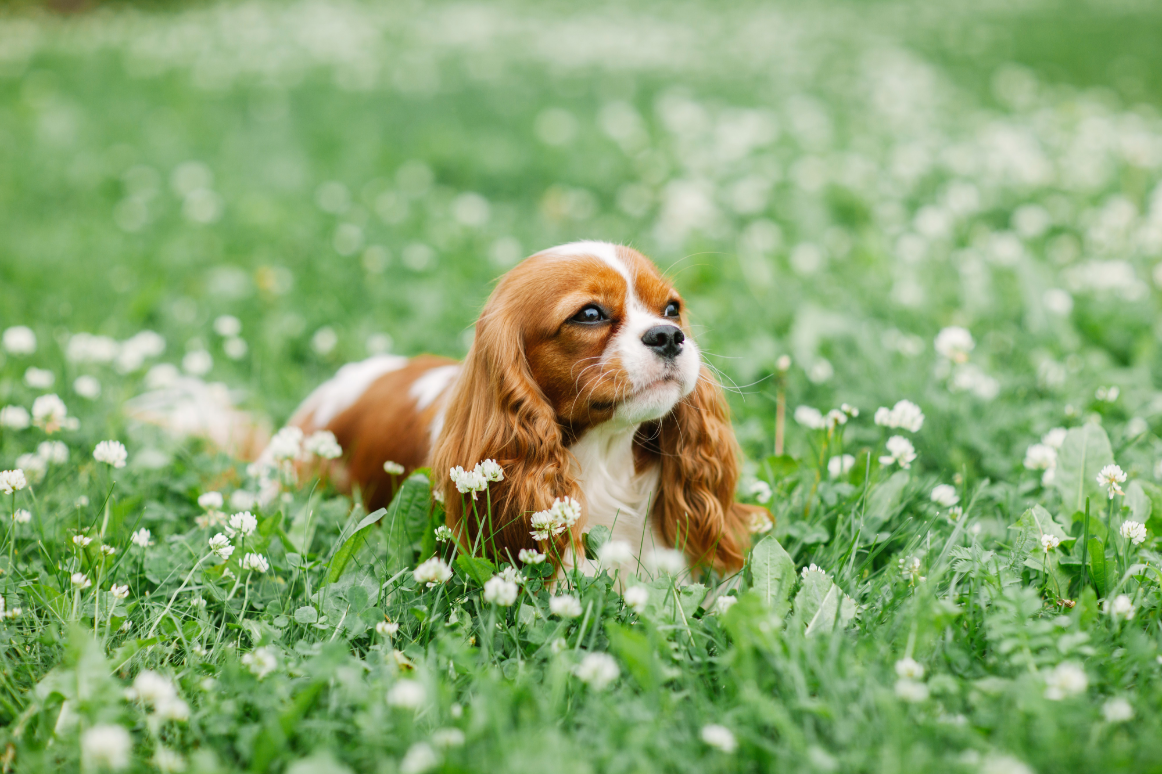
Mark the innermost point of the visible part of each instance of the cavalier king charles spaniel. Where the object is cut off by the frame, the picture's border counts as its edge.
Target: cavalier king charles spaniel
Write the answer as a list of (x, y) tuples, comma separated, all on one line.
[(583, 381)]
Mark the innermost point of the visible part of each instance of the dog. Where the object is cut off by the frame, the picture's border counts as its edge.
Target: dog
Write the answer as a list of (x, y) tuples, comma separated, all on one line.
[(585, 385)]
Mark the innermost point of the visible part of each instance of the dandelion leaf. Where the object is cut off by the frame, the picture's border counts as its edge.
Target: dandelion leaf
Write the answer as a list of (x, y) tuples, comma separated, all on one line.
[(351, 545), (1097, 566), (883, 501), (821, 604), (772, 573), (1084, 453)]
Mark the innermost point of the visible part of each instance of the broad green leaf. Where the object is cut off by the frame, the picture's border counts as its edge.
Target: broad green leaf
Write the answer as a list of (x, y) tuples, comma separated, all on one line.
[(772, 573), (1027, 548), (476, 568), (883, 501), (351, 545), (1141, 507), (1153, 493), (1084, 453), (1097, 566), (633, 649), (820, 604), (306, 615), (594, 540)]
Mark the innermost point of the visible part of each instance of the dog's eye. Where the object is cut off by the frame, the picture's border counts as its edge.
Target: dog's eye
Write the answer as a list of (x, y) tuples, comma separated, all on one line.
[(590, 314), (671, 309)]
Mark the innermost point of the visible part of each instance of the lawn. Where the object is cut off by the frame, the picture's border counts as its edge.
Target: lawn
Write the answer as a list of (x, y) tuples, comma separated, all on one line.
[(933, 232)]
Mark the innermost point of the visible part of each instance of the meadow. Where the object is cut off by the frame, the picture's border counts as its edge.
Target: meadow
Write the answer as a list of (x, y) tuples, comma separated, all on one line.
[(931, 233)]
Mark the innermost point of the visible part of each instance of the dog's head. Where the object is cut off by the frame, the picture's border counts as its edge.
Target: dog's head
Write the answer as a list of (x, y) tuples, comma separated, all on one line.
[(578, 336)]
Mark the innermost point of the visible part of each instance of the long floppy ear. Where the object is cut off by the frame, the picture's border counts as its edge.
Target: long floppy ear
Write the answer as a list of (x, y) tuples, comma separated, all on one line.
[(695, 509), (497, 411)]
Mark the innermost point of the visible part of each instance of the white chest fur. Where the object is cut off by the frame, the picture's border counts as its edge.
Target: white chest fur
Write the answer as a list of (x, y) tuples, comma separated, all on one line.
[(616, 496)]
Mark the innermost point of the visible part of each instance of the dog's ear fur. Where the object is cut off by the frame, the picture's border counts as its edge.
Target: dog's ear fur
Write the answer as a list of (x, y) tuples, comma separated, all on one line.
[(695, 510), (497, 411)]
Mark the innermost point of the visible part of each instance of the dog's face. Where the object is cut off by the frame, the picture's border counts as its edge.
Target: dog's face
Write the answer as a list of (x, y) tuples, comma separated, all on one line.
[(605, 335)]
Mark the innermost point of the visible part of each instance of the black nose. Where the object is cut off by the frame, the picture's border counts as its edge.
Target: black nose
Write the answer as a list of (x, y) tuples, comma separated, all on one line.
[(666, 340)]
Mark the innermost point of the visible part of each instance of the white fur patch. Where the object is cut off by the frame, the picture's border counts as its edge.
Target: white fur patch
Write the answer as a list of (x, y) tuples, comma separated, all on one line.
[(616, 496), (432, 384), (336, 395)]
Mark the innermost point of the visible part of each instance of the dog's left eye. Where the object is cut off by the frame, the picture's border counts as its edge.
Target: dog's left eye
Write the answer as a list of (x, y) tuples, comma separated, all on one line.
[(671, 309), (590, 314)]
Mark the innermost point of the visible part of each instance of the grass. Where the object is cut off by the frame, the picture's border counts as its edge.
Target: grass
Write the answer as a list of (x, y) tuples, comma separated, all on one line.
[(838, 183)]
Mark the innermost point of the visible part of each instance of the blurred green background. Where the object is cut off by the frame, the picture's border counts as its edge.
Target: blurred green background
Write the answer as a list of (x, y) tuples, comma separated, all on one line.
[(834, 181)]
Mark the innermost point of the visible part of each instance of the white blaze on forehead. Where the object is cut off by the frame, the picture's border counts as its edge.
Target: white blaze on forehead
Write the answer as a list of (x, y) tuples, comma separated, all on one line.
[(607, 253)]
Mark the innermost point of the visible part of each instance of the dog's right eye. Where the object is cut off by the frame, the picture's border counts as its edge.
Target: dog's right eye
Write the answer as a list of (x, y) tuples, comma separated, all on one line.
[(590, 314)]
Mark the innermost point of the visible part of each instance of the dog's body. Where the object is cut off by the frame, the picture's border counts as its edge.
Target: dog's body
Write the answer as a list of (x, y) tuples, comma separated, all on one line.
[(609, 405)]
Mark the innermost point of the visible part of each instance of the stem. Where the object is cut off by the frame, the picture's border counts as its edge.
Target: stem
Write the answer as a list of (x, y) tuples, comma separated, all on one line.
[(245, 602), (780, 416), (169, 605)]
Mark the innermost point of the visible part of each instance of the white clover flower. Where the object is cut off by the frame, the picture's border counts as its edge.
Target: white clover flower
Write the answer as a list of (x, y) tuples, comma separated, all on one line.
[(386, 628), (783, 363), (468, 481), (419, 759), (235, 348), (261, 661), (954, 343), (666, 561), (490, 470), (152, 689), (597, 670), (1049, 542), (1055, 437), (1134, 531), (433, 572), (565, 606), (1064, 680), (220, 545), (393, 468), (513, 575), (834, 419), (106, 747), (840, 465), (12, 481), (564, 513), (905, 415), (39, 378), (910, 566), (80, 581), (615, 552), (723, 604), (530, 556), (227, 325), (908, 668), (211, 501), (407, 694), (142, 538), (111, 453), (243, 523), (198, 362), (719, 737), (812, 568), (255, 562), (759, 523), (19, 340), (809, 417), (53, 452), (1117, 710), (168, 761), (21, 516), (637, 597), (945, 495), (87, 348), (286, 444), (34, 467), (1040, 456), (444, 534), (323, 444), (1120, 607), (49, 413), (87, 387), (1107, 394), (499, 590), (900, 451), (1112, 476), (760, 490), (119, 592), (15, 417), (911, 691), (448, 737), (81, 541)]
